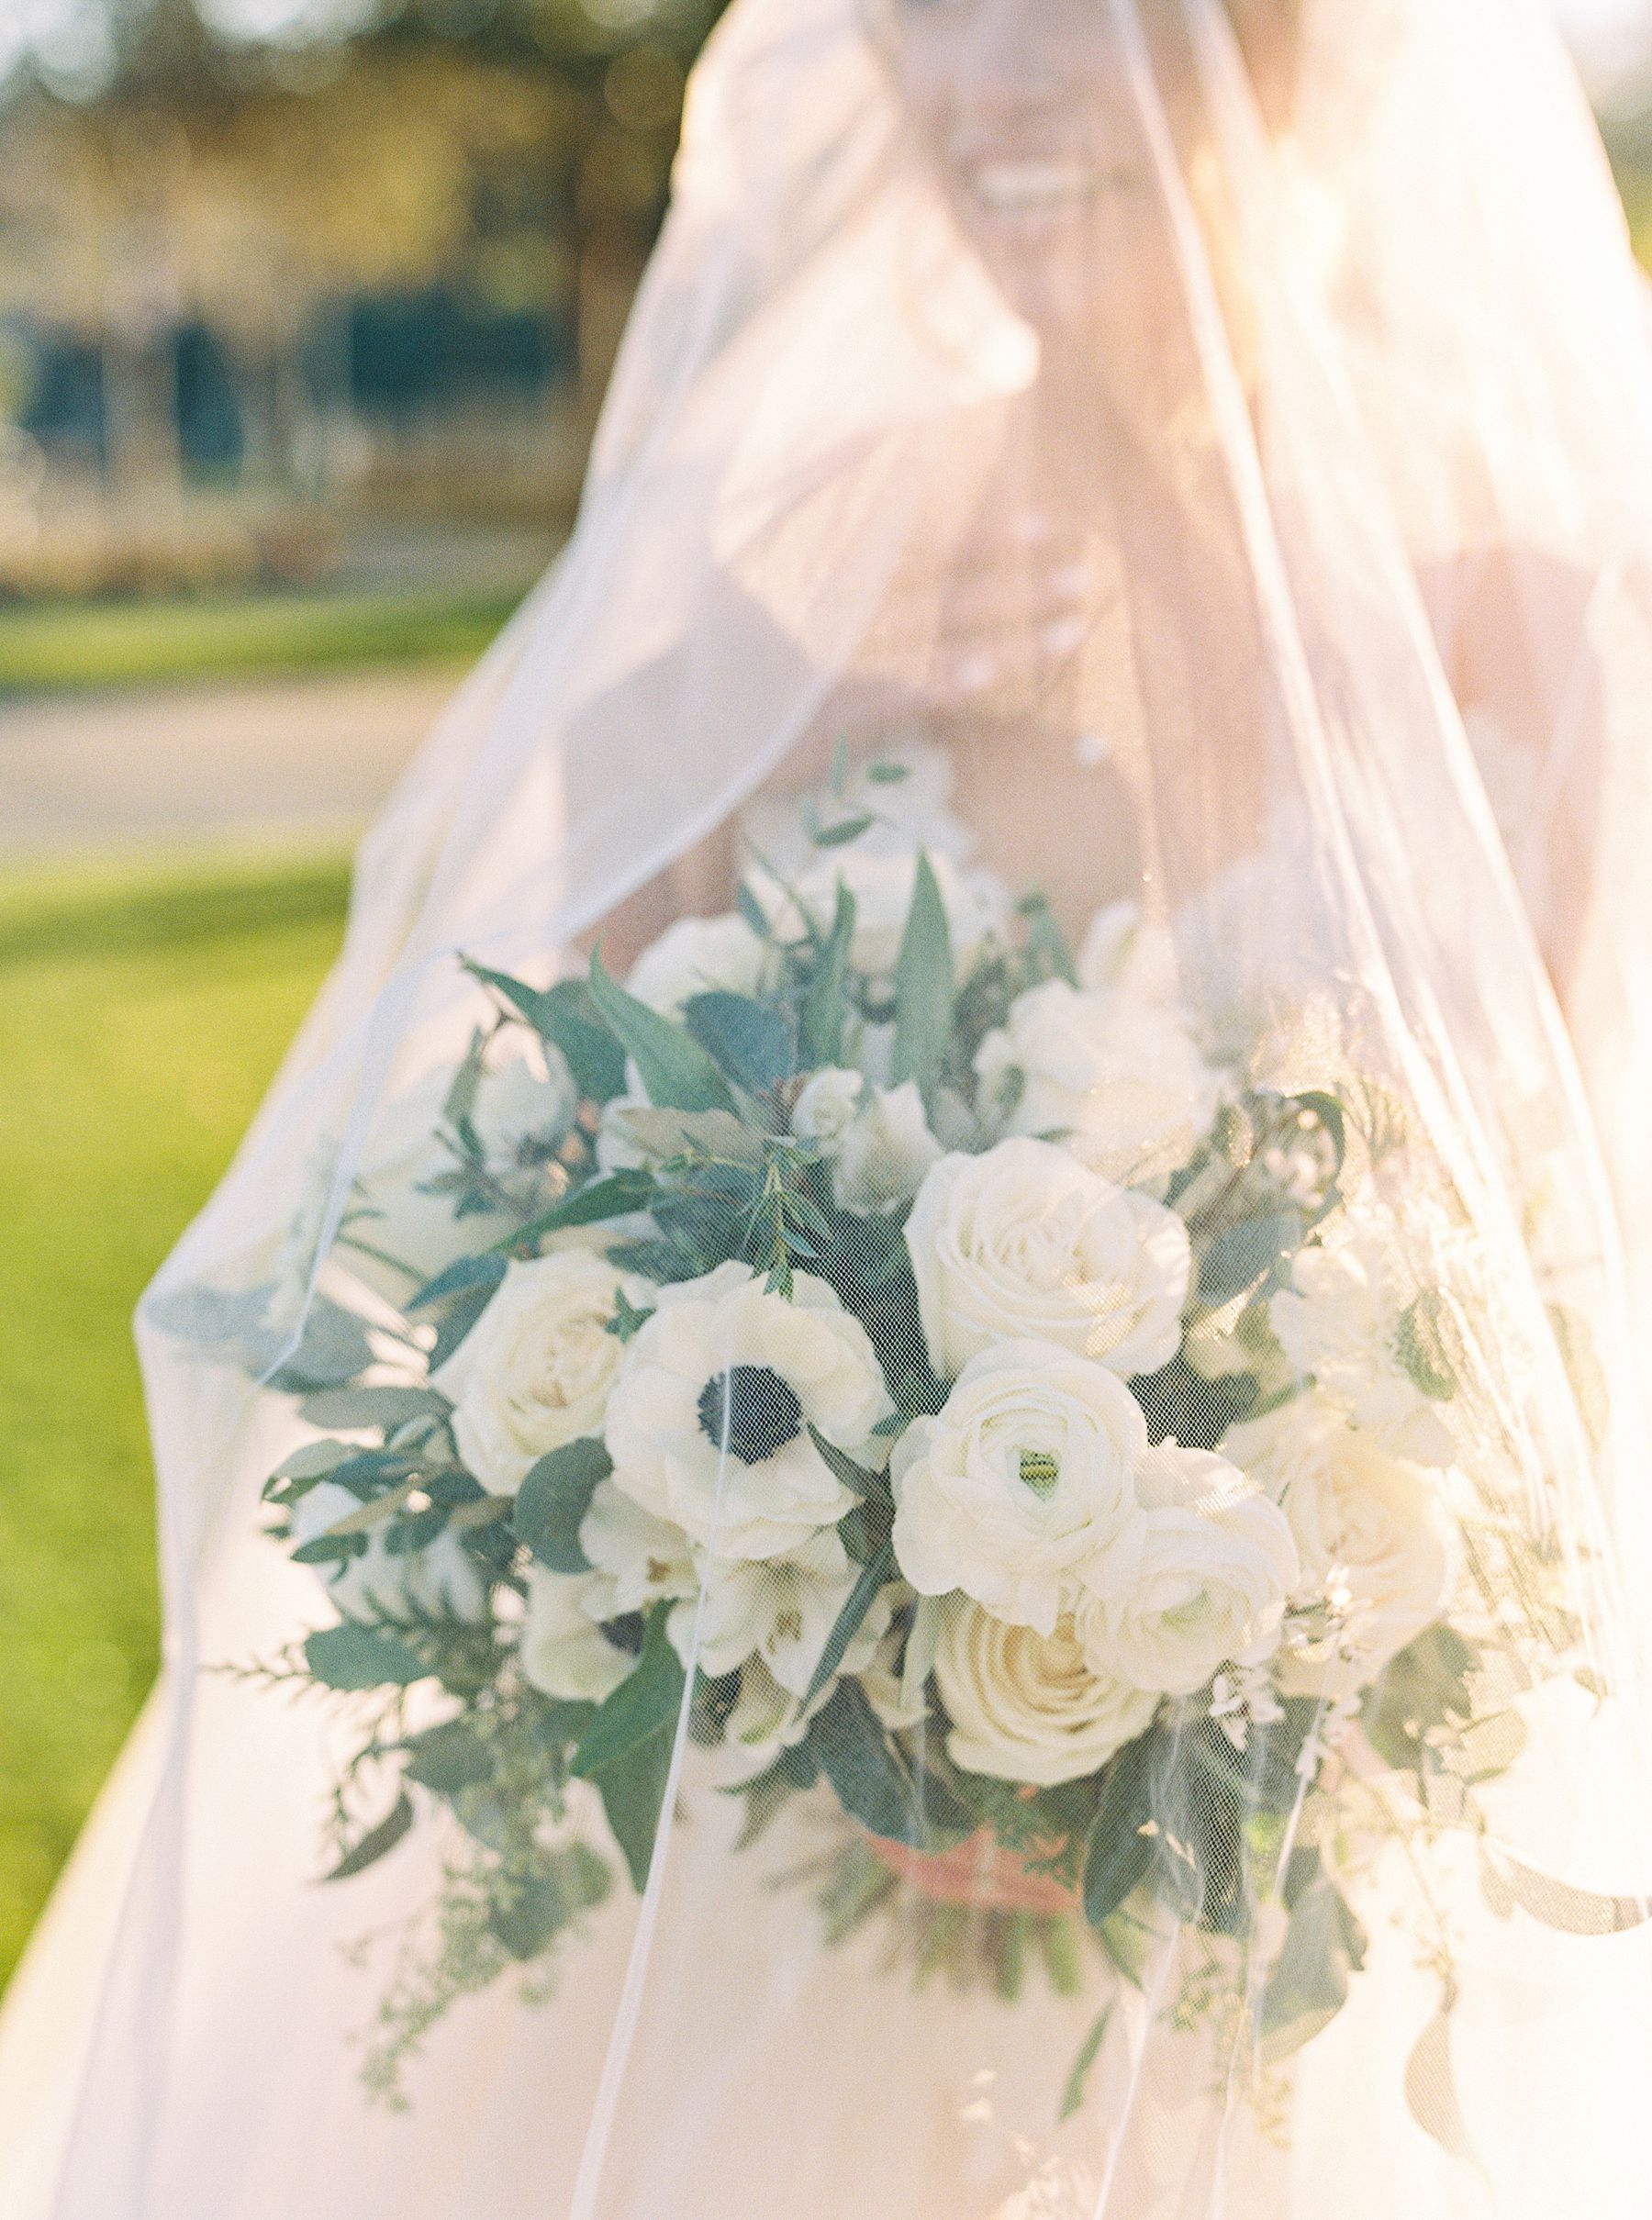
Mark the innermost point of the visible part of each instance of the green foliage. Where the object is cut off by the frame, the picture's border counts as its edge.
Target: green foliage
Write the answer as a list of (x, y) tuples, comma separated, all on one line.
[(924, 984), (872, 1777), (1119, 1854), (751, 1043), (873, 1576), (530, 1915), (1246, 1252), (377, 1843), (1424, 1690), (626, 1749), (566, 1019), (1427, 1346), (1324, 1946), (676, 1072), (553, 1500), (353, 1657), (824, 1006)]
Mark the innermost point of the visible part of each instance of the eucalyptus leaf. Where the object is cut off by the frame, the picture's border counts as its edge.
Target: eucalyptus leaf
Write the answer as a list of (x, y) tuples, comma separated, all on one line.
[(553, 1500), (1072, 2097), (751, 1043), (646, 1704), (676, 1072), (825, 1004), (529, 1919), (376, 1843), (570, 1022), (840, 835), (855, 1478), (869, 1777), (354, 1408), (1118, 1855), (1324, 1946), (626, 1749), (1245, 1253), (352, 1658), (448, 1758), (924, 984), (485, 1271)]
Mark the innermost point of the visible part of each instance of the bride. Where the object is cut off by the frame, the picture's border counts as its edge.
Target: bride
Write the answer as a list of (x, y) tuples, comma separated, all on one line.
[(900, 1479)]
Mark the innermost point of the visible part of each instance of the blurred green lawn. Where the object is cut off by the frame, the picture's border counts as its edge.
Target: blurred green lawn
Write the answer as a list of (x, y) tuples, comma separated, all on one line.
[(142, 1010), (80, 646)]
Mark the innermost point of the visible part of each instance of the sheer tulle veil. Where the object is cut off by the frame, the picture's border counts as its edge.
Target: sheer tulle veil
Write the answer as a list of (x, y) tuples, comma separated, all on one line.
[(1206, 480)]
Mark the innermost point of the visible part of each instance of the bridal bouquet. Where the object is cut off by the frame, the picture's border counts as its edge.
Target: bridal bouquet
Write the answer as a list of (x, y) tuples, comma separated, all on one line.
[(901, 1358)]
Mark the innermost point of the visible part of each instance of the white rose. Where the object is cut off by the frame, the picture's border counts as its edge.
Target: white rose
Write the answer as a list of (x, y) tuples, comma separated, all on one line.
[(976, 906), (375, 1584), (535, 1370), (1339, 1323), (1026, 1244), (1125, 952), (883, 1156), (1030, 1707), (563, 1653), (826, 1106), (1209, 1587), (1120, 1080), (709, 1425), (1380, 1551), (781, 1610), (697, 956), (641, 1559), (1026, 1475)]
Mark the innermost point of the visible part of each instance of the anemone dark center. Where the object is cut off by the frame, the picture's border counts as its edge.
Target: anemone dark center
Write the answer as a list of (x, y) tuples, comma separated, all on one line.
[(751, 1408)]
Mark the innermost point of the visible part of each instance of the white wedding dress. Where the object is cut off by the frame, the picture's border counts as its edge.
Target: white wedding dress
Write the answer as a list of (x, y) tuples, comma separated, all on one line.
[(1195, 473)]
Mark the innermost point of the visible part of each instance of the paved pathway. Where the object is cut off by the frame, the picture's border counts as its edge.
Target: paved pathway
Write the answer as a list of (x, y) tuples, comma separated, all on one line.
[(277, 759)]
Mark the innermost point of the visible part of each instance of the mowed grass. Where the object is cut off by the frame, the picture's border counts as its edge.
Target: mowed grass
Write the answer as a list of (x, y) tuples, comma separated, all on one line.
[(142, 1012), (73, 646)]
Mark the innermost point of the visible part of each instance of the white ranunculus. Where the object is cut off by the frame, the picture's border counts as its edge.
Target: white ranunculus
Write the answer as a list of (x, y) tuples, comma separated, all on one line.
[(377, 1585), (534, 1372), (1025, 1244), (1339, 1323), (826, 1106), (883, 1156), (781, 1610), (708, 1424), (1125, 953), (1216, 1568), (1024, 1479), (1030, 1707), (1381, 1550), (1120, 1080), (697, 956), (564, 1653), (977, 905), (641, 1559)]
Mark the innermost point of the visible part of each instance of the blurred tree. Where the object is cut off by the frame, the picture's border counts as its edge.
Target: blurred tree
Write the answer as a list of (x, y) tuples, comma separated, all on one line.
[(517, 150)]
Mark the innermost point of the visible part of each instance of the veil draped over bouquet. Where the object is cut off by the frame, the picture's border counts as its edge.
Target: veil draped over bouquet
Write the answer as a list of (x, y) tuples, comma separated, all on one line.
[(903, 1478)]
